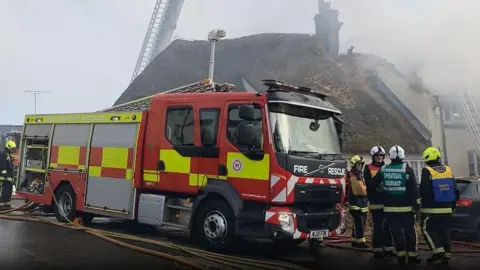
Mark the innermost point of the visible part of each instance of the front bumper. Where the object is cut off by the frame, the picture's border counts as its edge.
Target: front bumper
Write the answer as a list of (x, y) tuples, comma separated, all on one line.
[(284, 223)]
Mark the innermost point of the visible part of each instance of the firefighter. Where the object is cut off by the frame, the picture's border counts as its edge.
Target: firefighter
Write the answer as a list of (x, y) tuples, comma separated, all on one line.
[(357, 201), (6, 174), (381, 236), (438, 192), (401, 202)]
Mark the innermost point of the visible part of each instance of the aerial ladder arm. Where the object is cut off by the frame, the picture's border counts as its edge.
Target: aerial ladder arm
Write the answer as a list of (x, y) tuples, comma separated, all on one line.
[(472, 117)]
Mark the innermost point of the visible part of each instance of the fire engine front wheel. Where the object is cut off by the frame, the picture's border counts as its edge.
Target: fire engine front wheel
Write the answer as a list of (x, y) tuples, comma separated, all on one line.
[(65, 210), (215, 226)]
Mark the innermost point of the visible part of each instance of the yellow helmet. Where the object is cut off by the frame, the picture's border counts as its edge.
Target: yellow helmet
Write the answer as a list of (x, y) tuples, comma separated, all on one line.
[(355, 159), (10, 145), (431, 153)]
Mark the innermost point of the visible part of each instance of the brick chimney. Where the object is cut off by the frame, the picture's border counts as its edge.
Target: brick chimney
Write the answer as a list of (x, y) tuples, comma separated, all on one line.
[(327, 27)]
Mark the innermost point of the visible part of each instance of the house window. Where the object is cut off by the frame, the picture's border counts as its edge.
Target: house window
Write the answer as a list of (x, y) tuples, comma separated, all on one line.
[(473, 163), (417, 166)]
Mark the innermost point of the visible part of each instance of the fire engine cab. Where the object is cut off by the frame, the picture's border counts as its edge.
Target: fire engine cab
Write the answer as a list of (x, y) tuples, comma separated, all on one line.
[(216, 163)]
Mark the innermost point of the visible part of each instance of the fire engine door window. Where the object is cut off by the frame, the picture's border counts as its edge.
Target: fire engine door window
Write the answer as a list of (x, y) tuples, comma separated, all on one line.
[(209, 126), (179, 129), (234, 121)]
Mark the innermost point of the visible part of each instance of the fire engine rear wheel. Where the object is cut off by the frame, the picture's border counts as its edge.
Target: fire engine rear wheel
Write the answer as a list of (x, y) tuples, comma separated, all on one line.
[(215, 226), (66, 208)]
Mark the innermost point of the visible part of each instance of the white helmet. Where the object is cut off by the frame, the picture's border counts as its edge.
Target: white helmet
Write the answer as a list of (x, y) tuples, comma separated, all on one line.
[(377, 150), (396, 152)]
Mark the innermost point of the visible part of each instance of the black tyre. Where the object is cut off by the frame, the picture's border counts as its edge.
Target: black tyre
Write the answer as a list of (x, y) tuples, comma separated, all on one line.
[(215, 226), (66, 210), (87, 218)]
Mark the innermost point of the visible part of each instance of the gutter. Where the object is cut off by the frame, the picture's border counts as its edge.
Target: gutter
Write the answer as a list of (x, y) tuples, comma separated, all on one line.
[(375, 80)]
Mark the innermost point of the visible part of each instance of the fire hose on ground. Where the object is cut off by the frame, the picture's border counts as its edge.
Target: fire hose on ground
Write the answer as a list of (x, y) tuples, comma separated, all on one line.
[(227, 260)]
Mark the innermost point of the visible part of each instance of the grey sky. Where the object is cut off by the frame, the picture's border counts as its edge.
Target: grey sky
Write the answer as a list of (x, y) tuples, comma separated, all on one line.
[(84, 51)]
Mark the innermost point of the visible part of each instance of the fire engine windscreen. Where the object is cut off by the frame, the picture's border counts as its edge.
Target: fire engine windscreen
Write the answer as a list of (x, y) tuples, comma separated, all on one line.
[(303, 130)]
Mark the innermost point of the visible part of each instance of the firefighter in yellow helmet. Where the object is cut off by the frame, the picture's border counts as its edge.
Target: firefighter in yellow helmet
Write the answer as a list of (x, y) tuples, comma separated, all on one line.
[(357, 201), (6, 174), (438, 192)]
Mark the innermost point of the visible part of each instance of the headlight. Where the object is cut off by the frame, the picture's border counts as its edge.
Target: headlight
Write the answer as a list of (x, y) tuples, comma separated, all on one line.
[(286, 221)]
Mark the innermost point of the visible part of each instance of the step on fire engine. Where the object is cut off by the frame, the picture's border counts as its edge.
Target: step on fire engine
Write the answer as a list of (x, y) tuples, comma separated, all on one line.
[(216, 163)]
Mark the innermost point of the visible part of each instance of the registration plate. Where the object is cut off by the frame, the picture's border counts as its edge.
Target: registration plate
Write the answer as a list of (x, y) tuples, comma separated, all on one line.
[(319, 234)]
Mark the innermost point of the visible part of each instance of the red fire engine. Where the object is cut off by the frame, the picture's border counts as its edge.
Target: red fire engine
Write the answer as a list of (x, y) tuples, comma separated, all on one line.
[(217, 163)]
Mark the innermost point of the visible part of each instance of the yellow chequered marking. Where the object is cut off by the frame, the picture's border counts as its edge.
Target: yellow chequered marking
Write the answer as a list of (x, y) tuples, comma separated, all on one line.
[(174, 162), (68, 155), (115, 157), (240, 166), (148, 177), (128, 174), (94, 171)]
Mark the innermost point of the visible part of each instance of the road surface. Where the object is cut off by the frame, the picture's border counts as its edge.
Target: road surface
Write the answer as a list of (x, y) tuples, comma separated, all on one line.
[(25, 245)]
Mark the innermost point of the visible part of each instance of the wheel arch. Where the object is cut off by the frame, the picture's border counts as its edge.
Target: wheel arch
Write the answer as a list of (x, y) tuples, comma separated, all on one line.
[(217, 189)]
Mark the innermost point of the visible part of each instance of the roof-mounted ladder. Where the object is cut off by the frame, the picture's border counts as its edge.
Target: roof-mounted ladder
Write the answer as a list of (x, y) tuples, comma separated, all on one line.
[(142, 104), (472, 117)]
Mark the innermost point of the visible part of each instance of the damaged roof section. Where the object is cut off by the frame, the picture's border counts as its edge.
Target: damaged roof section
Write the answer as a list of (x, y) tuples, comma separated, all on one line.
[(370, 118)]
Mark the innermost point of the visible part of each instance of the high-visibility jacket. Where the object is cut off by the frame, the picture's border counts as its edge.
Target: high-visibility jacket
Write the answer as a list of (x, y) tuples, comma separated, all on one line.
[(375, 196), (6, 166), (357, 191), (400, 190), (438, 190)]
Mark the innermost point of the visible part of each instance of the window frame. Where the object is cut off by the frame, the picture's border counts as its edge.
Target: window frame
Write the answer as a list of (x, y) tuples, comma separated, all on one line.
[(258, 153), (417, 168), (475, 161), (174, 108), (216, 125)]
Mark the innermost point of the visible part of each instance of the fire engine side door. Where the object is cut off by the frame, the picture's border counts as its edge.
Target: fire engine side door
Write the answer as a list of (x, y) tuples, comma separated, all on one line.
[(248, 168), (209, 145), (179, 142)]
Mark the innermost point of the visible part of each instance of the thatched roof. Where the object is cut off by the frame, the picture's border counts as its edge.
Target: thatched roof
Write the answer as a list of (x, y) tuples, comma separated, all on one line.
[(295, 58)]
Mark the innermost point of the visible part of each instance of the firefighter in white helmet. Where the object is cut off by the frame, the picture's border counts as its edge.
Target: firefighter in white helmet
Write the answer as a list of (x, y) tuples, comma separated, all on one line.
[(357, 201), (6, 174), (381, 236), (401, 202)]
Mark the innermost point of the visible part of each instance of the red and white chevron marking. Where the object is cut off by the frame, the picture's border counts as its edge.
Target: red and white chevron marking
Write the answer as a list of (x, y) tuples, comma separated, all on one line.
[(282, 190)]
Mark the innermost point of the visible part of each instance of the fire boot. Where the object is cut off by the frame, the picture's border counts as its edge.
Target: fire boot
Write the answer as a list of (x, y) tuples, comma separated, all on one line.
[(437, 257), (412, 260)]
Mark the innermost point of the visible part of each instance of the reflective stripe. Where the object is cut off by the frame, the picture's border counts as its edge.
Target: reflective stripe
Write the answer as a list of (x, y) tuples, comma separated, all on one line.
[(397, 209), (361, 240), (375, 206), (419, 200), (412, 254), (6, 178), (239, 166), (425, 233), (358, 208), (377, 249), (436, 210), (4, 171), (388, 248), (439, 250), (401, 253), (448, 254), (84, 118)]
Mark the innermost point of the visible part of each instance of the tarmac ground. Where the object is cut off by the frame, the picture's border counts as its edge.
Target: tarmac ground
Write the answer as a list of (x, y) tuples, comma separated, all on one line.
[(28, 245)]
